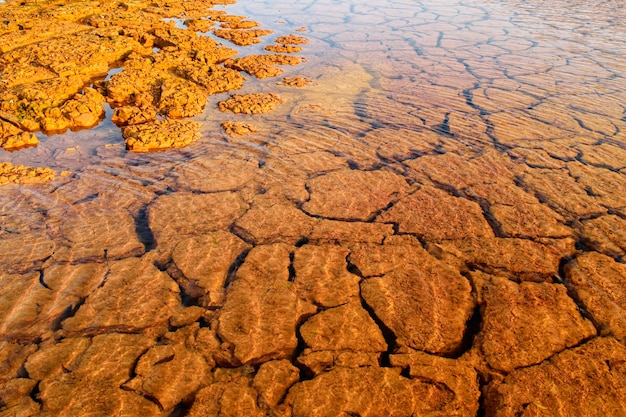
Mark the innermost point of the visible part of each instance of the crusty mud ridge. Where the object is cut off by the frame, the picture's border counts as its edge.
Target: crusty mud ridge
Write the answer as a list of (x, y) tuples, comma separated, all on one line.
[(154, 63), (435, 226)]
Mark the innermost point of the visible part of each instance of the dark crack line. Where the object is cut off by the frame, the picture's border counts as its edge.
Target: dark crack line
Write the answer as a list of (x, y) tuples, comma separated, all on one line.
[(231, 275), (389, 336), (142, 227)]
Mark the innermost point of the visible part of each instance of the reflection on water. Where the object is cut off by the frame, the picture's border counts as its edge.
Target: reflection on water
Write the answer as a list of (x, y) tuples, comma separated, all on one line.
[(178, 23), (452, 164)]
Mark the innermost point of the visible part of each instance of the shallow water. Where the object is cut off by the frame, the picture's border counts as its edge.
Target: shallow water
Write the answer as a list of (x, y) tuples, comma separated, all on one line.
[(451, 166)]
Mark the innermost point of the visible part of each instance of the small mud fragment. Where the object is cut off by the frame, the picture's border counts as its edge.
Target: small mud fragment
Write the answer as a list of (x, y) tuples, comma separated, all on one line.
[(250, 103), (403, 298), (605, 234), (606, 186), (199, 25), (523, 324), (203, 263), (238, 128), (322, 277), (20, 174), (16, 397), (150, 297), (210, 174), (529, 221), (160, 135), (13, 354), (270, 331), (520, 259), (213, 78), (237, 22), (133, 115), (458, 376), (242, 37), (593, 372), (297, 81), (435, 215), (158, 374), (262, 66), (562, 193), (99, 370), (230, 395), (13, 138), (318, 362), (347, 327), (604, 155), (292, 40), (273, 380), (172, 218), (181, 98), (354, 195), (599, 284), (344, 391), (87, 237), (287, 44), (282, 49), (53, 358)]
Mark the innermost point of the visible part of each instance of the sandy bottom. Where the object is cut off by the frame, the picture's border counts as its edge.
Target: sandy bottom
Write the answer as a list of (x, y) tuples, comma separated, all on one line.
[(408, 209)]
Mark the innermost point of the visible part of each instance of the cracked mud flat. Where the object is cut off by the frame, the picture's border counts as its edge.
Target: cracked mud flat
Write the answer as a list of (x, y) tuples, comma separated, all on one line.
[(433, 224)]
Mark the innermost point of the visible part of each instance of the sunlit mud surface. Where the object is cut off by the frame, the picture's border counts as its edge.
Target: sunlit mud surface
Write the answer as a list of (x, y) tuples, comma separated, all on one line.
[(426, 216)]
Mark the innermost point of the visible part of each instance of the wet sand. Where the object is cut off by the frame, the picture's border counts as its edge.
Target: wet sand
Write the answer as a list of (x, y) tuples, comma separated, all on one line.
[(406, 209)]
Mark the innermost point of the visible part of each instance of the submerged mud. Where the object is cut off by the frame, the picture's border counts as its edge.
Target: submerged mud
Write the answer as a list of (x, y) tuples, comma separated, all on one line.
[(433, 224)]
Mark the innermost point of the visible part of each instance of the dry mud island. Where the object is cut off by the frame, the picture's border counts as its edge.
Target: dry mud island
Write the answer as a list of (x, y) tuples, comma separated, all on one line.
[(424, 217)]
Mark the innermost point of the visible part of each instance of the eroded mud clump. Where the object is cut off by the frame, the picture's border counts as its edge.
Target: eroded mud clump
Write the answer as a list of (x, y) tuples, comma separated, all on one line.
[(250, 103), (262, 66), (292, 40), (282, 49), (161, 135), (297, 81), (287, 44), (11, 137), (47, 70), (238, 128), (20, 174), (242, 37)]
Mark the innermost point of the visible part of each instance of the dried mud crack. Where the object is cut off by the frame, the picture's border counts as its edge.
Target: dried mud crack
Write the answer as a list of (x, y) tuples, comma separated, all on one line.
[(433, 226)]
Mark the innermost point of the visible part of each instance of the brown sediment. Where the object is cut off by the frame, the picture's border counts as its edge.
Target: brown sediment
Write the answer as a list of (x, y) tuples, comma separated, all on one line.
[(436, 226)]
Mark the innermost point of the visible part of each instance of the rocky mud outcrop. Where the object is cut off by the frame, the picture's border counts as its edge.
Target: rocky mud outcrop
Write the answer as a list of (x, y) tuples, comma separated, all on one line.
[(60, 70)]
